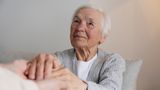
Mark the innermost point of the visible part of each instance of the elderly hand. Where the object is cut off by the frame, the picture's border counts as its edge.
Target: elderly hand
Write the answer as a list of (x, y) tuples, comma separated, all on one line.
[(71, 81), (41, 66), (17, 66), (51, 84)]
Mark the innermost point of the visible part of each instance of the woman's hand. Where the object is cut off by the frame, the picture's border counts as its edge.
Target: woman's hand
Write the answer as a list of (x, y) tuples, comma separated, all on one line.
[(41, 66), (70, 80)]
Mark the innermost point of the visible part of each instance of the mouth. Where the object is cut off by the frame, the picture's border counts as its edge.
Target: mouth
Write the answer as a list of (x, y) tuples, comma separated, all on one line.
[(79, 35)]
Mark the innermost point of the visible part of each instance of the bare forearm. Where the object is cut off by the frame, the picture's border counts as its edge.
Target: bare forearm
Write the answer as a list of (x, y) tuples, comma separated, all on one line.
[(1, 65)]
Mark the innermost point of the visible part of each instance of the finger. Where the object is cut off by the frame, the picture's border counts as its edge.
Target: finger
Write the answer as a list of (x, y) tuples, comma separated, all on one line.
[(27, 69), (40, 66), (32, 70), (56, 62), (48, 66), (58, 68), (58, 72), (63, 74), (61, 77)]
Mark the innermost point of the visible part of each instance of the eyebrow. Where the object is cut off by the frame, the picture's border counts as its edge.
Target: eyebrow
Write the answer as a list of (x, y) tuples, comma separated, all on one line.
[(75, 17), (91, 20), (87, 18)]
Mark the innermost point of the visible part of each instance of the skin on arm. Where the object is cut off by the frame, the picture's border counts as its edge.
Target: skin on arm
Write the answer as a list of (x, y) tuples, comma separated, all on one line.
[(17, 66)]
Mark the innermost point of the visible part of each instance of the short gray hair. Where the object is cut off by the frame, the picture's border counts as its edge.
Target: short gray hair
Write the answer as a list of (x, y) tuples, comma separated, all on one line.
[(106, 22)]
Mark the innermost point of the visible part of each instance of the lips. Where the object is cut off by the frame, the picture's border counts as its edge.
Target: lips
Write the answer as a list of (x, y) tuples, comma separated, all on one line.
[(79, 35)]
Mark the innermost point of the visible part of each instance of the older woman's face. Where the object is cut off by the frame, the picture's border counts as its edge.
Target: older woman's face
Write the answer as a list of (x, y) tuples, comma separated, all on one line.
[(86, 28)]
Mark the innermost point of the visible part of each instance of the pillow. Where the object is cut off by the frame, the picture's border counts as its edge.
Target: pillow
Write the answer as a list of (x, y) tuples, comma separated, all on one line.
[(131, 74)]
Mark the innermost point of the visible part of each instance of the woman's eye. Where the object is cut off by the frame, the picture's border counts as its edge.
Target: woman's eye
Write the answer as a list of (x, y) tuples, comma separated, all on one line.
[(91, 24), (76, 21)]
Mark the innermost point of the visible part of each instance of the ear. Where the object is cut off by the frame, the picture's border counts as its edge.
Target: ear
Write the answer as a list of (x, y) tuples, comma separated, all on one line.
[(103, 38)]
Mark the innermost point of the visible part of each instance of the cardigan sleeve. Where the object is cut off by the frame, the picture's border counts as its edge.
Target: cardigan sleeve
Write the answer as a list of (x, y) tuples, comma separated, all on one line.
[(111, 75)]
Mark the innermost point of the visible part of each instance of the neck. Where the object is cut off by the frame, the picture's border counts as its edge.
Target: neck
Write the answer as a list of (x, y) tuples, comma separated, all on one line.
[(93, 53), (85, 54)]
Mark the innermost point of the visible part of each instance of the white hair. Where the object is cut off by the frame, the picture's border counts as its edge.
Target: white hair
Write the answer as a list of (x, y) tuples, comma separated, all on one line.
[(106, 23)]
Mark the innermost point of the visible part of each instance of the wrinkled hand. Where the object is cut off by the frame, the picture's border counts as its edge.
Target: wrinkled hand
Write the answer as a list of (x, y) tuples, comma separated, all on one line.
[(41, 66), (51, 84), (46, 68), (71, 81), (18, 67)]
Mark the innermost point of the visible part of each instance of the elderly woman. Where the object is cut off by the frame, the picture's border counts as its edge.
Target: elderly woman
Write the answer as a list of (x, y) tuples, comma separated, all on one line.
[(85, 66)]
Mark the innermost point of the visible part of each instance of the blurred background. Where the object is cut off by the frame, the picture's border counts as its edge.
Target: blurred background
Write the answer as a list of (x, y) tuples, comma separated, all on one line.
[(44, 26)]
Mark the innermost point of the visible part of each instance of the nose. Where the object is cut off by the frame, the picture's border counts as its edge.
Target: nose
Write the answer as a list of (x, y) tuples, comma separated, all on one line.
[(81, 26)]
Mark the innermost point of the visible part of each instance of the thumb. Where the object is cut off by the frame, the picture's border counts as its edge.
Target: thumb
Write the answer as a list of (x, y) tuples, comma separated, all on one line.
[(56, 62)]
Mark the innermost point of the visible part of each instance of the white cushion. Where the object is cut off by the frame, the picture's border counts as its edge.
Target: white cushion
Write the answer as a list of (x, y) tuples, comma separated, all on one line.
[(131, 74)]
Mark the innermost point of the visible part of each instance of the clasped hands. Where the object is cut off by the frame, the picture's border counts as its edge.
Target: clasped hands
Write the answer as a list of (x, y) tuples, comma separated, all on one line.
[(49, 73)]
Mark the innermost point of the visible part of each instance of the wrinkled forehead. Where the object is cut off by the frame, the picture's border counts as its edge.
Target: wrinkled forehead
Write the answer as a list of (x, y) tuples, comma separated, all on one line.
[(89, 13)]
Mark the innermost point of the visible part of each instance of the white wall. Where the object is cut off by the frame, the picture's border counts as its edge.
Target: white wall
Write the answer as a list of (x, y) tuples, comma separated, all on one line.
[(135, 34), (36, 25)]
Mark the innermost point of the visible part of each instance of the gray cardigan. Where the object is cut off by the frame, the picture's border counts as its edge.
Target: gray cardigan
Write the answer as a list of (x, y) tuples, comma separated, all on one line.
[(106, 72)]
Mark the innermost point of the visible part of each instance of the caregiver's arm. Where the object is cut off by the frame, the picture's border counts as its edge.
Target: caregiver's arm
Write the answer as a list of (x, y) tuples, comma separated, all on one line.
[(12, 78)]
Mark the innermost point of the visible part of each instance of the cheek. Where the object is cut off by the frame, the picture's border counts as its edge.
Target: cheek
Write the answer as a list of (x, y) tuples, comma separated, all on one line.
[(72, 30), (73, 26), (93, 34), (94, 37)]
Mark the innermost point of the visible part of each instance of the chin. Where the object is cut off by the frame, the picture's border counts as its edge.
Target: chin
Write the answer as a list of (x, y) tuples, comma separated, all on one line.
[(79, 44)]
